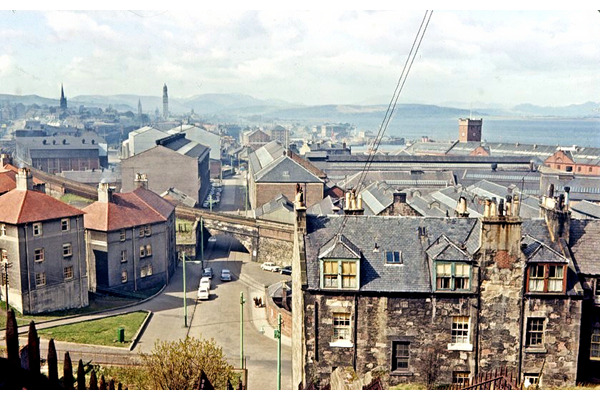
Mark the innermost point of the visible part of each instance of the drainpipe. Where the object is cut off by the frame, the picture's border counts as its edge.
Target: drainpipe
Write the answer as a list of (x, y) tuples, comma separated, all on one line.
[(135, 254), (28, 271), (79, 260), (355, 332)]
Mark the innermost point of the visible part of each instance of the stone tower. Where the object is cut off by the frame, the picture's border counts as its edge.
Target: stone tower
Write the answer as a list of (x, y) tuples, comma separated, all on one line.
[(63, 99), (165, 102), (140, 112), (469, 130)]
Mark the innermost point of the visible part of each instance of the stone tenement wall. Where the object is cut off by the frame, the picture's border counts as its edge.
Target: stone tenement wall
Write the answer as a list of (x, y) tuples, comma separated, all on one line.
[(562, 319), (424, 322), (286, 317)]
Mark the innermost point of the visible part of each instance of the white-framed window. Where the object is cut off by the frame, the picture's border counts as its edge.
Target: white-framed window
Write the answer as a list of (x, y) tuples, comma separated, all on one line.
[(148, 250), (3, 230), (123, 256), (38, 255), (40, 279), (37, 229), (3, 255), (146, 270), (67, 250), (124, 276), (68, 272), (147, 230), (460, 334), (595, 344), (393, 257), (400, 356), (142, 251), (460, 378), (65, 224), (341, 328), (340, 274), (122, 235), (531, 380), (452, 276), (141, 232), (535, 332)]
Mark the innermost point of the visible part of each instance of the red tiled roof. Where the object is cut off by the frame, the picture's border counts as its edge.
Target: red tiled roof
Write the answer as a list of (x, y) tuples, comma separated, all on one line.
[(13, 170), (126, 210), (7, 181), (24, 206)]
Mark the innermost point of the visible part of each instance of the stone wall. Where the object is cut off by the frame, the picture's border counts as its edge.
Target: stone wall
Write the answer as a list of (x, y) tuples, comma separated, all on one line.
[(286, 316), (277, 251)]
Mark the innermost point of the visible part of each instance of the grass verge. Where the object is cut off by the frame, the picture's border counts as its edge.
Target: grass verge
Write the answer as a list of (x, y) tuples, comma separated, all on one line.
[(100, 331)]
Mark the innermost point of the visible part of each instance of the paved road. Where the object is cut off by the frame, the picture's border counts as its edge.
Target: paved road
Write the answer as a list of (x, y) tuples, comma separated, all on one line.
[(218, 318)]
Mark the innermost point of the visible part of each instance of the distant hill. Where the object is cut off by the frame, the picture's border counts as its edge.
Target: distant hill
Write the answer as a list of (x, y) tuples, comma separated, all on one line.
[(236, 104)]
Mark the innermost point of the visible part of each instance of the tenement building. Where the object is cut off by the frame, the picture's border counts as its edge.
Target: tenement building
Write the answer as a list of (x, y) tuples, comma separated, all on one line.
[(42, 253), (130, 239), (439, 300)]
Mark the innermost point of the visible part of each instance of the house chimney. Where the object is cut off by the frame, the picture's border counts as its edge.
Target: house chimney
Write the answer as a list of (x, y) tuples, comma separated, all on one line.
[(567, 196), (516, 205), (105, 192), (508, 208), (556, 214), (5, 160), (353, 204), (486, 208), (501, 208), (461, 207), (140, 180), (300, 208), (24, 179), (493, 208)]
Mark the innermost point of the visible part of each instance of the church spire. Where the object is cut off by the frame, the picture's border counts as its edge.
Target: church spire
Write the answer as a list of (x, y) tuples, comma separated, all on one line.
[(63, 99)]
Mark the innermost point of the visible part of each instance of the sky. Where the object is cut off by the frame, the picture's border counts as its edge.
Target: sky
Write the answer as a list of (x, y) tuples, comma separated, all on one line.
[(320, 56)]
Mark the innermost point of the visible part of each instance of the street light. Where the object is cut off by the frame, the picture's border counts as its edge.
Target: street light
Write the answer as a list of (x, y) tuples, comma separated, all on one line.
[(242, 301), (277, 334)]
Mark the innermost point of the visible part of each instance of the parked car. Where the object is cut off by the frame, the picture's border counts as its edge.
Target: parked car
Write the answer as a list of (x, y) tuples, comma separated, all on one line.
[(205, 282), (287, 270), (203, 293), (269, 266), (225, 275), (207, 272)]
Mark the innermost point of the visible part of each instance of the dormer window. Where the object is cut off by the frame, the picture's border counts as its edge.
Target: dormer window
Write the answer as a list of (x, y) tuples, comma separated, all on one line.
[(546, 278), (339, 263), (450, 275)]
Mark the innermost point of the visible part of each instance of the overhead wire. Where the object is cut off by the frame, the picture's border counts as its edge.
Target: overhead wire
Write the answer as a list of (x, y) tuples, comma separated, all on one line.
[(392, 105)]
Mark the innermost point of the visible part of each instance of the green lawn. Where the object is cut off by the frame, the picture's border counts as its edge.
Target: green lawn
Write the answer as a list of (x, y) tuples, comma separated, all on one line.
[(101, 331)]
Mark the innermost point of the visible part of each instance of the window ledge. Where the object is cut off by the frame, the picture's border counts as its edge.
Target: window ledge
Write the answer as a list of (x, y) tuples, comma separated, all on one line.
[(460, 346), (341, 344), (536, 350), (401, 373)]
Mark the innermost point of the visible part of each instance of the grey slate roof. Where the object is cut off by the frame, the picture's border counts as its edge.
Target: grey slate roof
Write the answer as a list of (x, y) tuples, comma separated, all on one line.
[(286, 170), (340, 247), (390, 234), (583, 240), (445, 249), (538, 252), (279, 202), (324, 207), (178, 142), (586, 209)]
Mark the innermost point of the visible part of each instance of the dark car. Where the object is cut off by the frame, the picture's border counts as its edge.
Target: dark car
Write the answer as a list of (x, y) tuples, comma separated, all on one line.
[(287, 270), (207, 272)]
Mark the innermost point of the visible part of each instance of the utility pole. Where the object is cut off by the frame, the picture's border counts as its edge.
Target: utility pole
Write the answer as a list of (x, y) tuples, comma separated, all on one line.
[(242, 301), (184, 293), (277, 334), (202, 241)]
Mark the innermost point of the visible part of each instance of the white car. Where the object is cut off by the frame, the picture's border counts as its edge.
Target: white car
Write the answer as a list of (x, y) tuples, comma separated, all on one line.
[(269, 266), (203, 293), (205, 282), (212, 239)]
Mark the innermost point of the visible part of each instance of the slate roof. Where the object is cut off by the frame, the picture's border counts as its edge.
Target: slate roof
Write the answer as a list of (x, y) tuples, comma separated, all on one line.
[(175, 196), (339, 247), (126, 210), (538, 252), (390, 234), (181, 145), (324, 207), (586, 209), (25, 206), (400, 179), (445, 249), (377, 197), (277, 203), (583, 241)]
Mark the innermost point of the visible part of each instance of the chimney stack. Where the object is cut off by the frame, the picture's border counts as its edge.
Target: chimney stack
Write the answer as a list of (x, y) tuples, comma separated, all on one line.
[(141, 180), (486, 208), (105, 192), (353, 204), (461, 207), (493, 208), (24, 179), (5, 160)]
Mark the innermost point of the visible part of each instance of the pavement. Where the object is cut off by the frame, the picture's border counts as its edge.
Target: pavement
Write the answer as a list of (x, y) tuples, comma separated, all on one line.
[(250, 275)]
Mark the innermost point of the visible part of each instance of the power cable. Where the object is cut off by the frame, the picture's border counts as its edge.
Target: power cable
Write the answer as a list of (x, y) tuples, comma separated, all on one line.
[(392, 105)]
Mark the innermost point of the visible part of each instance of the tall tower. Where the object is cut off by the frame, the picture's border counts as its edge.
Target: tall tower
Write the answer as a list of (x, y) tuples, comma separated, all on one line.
[(469, 130), (140, 112), (165, 102), (63, 99)]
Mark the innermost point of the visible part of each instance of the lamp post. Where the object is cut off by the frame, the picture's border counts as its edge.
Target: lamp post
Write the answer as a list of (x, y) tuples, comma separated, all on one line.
[(242, 301), (277, 334), (184, 293)]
